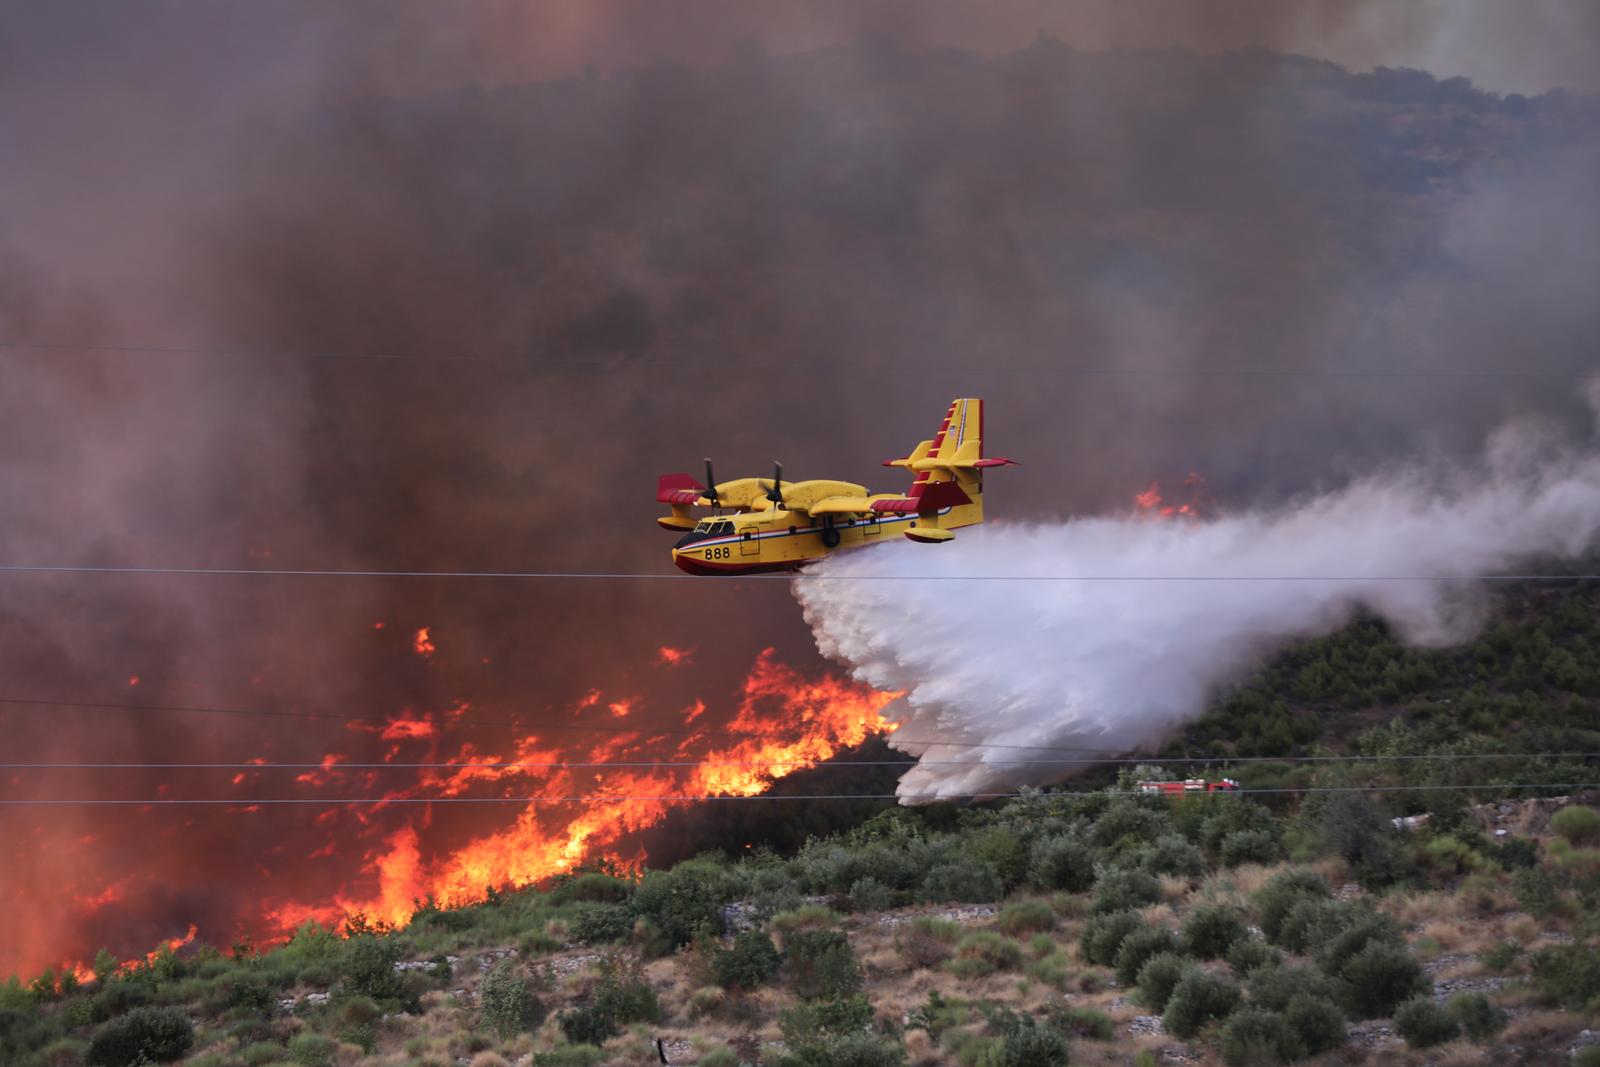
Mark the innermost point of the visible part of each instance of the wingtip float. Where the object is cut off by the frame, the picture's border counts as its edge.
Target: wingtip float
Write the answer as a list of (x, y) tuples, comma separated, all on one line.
[(765, 524)]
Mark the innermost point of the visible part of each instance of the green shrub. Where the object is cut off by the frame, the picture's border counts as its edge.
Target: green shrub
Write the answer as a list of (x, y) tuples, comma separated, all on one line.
[(1308, 923), (368, 967), (313, 1050), (1084, 1022), (1535, 891), (1102, 935), (805, 917), (1171, 854), (1031, 1045), (508, 1004), (1053, 969), (1139, 946), (1026, 916), (1479, 1019), (601, 924), (1159, 976), (1424, 1023), (984, 952), (1254, 1036), (1247, 955), (1249, 846), (821, 965), (770, 891), (969, 882), (143, 1035), (1210, 931), (685, 901), (854, 1049), (869, 894), (1002, 849), (592, 886), (1345, 932), (1198, 998), (1578, 824), (751, 962), (1121, 890), (1061, 863), (1277, 898), (1568, 975), (1273, 987), (808, 1024), (1127, 824), (569, 1056), (1517, 853), (1317, 1024), (1381, 977), (1501, 956), (1588, 1056), (261, 1053), (621, 996)]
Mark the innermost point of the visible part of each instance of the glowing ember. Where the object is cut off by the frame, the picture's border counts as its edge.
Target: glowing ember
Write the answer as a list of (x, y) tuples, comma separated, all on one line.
[(422, 644), (673, 657), (1194, 504)]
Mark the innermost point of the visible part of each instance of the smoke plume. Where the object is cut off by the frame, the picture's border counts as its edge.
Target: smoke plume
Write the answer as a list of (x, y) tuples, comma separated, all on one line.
[(1157, 614)]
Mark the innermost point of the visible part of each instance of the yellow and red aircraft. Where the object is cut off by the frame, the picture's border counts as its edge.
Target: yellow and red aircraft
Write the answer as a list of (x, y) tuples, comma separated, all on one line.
[(761, 524)]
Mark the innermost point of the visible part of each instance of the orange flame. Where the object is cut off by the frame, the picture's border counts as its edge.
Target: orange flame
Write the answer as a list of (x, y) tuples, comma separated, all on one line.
[(423, 646), (673, 657), (1196, 502), (817, 718)]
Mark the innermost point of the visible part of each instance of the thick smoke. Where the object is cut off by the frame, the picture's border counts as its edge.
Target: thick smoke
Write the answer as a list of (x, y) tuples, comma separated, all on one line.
[(1168, 611), (608, 238)]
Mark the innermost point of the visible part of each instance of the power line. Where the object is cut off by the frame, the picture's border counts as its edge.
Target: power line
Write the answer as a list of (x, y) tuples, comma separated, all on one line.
[(909, 762), (537, 726), (1080, 369), (652, 576), (603, 798)]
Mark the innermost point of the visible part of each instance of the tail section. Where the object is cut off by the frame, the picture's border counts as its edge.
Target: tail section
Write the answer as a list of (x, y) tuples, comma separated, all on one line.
[(948, 469)]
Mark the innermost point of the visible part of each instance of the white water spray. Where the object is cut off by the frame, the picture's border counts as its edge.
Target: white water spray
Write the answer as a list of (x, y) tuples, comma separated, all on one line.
[(1169, 611)]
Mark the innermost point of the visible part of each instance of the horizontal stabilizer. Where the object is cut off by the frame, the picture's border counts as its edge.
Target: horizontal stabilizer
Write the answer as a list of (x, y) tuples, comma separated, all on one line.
[(935, 496), (680, 489)]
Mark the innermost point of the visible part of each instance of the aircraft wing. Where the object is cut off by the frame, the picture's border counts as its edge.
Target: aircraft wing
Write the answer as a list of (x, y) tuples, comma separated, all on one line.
[(845, 505), (679, 490)]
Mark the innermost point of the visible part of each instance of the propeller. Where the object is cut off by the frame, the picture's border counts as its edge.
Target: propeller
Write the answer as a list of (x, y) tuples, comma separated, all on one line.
[(775, 494), (711, 487)]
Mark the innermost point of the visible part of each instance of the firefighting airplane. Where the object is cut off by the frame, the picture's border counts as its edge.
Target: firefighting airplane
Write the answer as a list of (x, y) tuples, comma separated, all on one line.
[(770, 526)]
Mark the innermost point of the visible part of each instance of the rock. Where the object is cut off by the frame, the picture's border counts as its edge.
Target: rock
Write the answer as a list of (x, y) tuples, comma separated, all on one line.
[(1369, 1036), (1143, 1025)]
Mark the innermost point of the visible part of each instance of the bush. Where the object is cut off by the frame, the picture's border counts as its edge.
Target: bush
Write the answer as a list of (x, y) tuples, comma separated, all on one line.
[(368, 967), (1479, 1019), (751, 962), (601, 924), (1256, 1036), (821, 965), (984, 952), (1589, 1056), (1317, 1025), (927, 942), (1198, 999), (143, 1035), (854, 1049), (1567, 974), (1277, 898), (1159, 976), (1424, 1023), (1517, 853), (1535, 891), (568, 1056), (1084, 1022), (1578, 824), (621, 996), (1124, 889), (508, 1004), (869, 894), (1138, 947), (1308, 923), (1127, 824), (1380, 977), (1171, 854), (972, 882), (1102, 935), (1061, 863), (1032, 1045), (1275, 986), (592, 886), (685, 901), (1247, 955), (587, 1026), (1248, 846), (1348, 930), (313, 1050), (1211, 930), (1026, 916), (808, 1024)]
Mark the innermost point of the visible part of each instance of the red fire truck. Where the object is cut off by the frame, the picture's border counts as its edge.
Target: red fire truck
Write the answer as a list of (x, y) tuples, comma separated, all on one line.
[(1190, 785)]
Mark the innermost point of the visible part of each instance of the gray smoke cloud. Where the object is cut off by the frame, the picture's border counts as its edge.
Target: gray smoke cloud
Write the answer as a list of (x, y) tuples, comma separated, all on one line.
[(993, 667)]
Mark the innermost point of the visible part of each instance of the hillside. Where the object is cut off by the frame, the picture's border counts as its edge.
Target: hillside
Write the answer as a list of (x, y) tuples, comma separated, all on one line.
[(1292, 923)]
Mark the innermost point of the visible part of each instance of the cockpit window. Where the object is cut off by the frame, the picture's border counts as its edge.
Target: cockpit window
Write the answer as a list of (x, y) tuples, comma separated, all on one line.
[(702, 527), (723, 528)]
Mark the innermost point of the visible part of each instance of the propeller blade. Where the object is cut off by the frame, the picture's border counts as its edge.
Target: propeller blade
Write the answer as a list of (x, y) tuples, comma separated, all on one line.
[(711, 485), (776, 494)]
